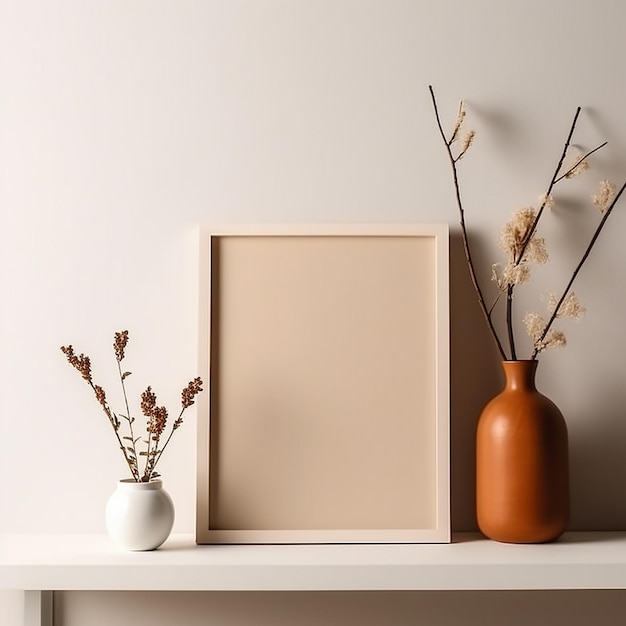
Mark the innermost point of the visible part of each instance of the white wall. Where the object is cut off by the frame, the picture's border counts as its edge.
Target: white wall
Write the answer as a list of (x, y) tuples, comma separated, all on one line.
[(125, 123)]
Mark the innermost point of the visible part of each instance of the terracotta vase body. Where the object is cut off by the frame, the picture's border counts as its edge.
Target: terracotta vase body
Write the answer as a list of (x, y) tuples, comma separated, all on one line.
[(522, 468)]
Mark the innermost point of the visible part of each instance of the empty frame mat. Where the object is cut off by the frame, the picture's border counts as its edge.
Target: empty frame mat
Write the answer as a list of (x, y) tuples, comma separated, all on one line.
[(327, 357)]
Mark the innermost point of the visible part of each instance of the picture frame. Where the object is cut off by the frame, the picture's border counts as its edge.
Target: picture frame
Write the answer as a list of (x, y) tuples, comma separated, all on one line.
[(325, 349)]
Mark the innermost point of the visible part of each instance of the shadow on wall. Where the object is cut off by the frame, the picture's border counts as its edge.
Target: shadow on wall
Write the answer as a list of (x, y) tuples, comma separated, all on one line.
[(475, 377), (598, 466), (400, 608)]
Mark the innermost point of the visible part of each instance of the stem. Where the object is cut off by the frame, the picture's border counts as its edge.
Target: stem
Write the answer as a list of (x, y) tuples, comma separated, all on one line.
[(596, 234), (582, 158), (553, 181), (107, 411), (149, 467), (166, 442), (550, 187), (509, 321), (495, 302), (466, 247), (128, 416)]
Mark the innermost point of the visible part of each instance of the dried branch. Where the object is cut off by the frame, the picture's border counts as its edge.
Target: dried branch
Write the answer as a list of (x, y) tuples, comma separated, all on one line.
[(466, 247), (519, 240), (584, 257)]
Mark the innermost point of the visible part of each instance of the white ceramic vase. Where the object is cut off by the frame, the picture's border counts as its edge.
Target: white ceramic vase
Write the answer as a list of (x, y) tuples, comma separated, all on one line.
[(139, 516)]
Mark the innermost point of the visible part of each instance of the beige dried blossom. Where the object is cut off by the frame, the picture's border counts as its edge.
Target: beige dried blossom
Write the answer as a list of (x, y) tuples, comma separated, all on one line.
[(535, 327), (554, 339), (535, 324), (468, 140), (570, 307), (536, 250), (521, 250), (516, 274), (458, 123), (546, 201), (511, 274), (579, 165), (515, 231), (606, 193), (496, 275)]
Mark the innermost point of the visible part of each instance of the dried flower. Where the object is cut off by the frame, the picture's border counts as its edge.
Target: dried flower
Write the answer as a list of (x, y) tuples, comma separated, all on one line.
[(157, 415), (468, 140), (497, 276), (459, 123), (536, 250), (82, 363), (554, 339), (156, 424), (516, 274), (121, 339), (511, 275), (515, 232), (546, 201), (100, 395), (570, 307), (535, 323), (522, 246), (606, 193), (190, 392), (579, 165), (536, 329), (148, 402)]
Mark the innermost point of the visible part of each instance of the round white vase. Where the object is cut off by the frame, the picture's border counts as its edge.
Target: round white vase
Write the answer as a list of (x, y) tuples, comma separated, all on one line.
[(139, 516)]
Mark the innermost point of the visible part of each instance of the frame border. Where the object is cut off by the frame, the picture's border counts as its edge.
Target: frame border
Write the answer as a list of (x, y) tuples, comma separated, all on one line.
[(439, 232)]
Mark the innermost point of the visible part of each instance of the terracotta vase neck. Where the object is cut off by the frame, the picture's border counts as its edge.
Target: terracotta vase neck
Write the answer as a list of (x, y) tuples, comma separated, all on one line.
[(520, 374)]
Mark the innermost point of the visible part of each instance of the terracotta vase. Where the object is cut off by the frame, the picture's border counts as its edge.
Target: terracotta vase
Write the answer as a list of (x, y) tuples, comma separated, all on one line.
[(522, 473)]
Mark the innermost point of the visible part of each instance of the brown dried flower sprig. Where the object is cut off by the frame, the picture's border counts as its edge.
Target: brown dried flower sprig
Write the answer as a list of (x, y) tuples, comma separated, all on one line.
[(157, 415), (523, 247)]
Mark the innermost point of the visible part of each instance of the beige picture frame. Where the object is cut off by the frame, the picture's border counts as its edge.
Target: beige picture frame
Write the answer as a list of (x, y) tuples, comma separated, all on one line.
[(325, 352)]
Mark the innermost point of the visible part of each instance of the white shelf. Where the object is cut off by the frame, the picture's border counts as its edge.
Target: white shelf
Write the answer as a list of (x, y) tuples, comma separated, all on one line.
[(90, 562)]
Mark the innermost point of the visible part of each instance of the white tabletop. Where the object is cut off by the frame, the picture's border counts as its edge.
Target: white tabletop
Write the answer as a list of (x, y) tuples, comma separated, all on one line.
[(91, 562)]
